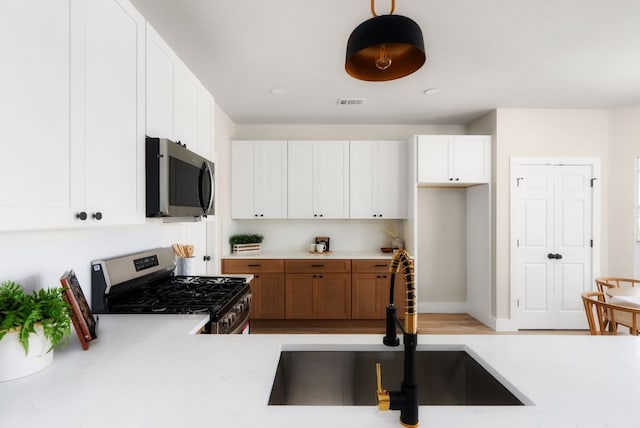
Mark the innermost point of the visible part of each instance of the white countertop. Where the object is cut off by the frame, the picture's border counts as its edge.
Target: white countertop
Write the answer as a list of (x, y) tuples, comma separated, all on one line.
[(146, 371), (308, 255)]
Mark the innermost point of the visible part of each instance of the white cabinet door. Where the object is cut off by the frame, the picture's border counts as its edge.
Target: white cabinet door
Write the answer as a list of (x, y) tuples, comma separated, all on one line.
[(391, 179), (302, 179), (433, 158), (471, 158), (259, 179), (114, 112), (318, 179), (37, 166), (454, 159), (160, 72), (271, 197), (185, 111), (332, 183), (205, 122), (362, 172), (378, 179)]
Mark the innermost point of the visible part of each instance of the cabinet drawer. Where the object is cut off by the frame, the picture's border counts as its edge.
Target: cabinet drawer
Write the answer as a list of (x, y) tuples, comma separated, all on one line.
[(370, 266), (252, 266), (316, 266)]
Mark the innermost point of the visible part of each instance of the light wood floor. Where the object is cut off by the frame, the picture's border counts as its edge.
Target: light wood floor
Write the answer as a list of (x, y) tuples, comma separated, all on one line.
[(427, 324)]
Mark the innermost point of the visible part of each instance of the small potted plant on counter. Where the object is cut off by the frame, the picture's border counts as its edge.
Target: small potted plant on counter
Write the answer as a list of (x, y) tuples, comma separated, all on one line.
[(31, 325), (246, 243)]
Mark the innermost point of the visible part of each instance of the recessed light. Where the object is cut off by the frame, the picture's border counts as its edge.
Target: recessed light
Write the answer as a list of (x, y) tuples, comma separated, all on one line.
[(277, 91), (431, 91)]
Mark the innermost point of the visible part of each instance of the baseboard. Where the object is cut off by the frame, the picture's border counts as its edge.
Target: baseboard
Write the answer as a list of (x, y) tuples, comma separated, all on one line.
[(503, 324), (442, 307)]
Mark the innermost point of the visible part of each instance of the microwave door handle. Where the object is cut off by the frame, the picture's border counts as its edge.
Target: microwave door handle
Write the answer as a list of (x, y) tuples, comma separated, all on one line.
[(212, 185)]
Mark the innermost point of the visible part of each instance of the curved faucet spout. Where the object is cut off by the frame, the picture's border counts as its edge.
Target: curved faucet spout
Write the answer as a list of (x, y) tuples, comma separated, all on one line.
[(405, 400)]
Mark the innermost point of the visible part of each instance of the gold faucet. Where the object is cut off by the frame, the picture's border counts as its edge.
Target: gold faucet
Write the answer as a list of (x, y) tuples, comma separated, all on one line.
[(405, 400)]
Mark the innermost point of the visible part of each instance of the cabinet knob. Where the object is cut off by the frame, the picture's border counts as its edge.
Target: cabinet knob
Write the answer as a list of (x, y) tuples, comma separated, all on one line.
[(261, 215), (375, 215), (379, 215), (206, 258), (97, 215), (81, 215), (315, 215), (321, 215), (457, 179), (450, 178), (255, 215)]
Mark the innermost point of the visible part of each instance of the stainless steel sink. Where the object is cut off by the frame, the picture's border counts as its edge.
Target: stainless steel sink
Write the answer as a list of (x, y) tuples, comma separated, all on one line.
[(347, 378)]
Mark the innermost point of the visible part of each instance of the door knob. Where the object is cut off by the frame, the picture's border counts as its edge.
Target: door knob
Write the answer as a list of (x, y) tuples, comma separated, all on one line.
[(554, 256)]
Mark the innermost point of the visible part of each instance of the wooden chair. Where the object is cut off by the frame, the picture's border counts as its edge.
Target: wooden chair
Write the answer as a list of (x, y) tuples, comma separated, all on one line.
[(605, 282), (601, 315)]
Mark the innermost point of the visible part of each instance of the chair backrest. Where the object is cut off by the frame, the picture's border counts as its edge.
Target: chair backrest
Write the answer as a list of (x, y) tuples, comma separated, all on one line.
[(600, 314), (605, 282)]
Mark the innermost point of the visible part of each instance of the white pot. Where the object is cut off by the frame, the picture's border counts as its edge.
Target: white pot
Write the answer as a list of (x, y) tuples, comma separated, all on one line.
[(13, 361)]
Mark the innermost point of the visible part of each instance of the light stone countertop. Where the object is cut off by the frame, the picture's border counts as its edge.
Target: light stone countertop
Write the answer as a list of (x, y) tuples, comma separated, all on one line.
[(147, 371)]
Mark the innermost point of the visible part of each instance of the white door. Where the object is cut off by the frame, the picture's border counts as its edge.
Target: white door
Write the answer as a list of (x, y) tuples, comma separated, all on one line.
[(553, 254)]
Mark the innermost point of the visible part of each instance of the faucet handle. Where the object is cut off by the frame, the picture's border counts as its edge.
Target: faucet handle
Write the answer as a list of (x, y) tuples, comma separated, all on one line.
[(383, 395)]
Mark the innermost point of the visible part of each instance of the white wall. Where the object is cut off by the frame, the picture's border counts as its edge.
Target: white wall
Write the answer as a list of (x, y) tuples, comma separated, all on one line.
[(442, 242), (341, 132), (533, 132), (624, 251), (225, 129)]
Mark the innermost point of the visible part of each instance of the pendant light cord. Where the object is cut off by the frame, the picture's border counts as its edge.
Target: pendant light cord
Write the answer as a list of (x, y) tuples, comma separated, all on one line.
[(373, 7)]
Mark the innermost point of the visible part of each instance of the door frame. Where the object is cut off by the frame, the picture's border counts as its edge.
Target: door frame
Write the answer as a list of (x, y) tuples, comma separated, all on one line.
[(514, 162)]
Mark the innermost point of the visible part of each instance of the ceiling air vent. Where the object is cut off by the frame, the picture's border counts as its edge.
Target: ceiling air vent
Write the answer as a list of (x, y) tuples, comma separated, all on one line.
[(351, 101)]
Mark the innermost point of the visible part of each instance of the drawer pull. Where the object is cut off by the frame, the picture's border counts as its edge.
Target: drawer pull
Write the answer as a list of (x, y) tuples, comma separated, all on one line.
[(317, 265), (258, 265), (381, 265)]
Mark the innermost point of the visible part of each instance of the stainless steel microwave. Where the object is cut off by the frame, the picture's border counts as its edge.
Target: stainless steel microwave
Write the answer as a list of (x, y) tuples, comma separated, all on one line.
[(179, 183)]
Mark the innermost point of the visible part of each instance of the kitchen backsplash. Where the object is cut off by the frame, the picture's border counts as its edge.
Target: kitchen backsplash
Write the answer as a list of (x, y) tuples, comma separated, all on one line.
[(37, 259), (295, 235)]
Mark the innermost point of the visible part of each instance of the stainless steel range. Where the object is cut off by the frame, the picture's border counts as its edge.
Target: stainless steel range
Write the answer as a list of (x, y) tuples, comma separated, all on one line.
[(144, 283)]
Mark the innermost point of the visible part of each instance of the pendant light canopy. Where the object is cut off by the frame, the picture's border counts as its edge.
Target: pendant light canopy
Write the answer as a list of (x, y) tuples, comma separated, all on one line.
[(385, 47)]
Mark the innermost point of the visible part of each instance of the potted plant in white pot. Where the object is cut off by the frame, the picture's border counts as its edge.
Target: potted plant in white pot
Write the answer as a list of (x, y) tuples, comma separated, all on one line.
[(31, 325)]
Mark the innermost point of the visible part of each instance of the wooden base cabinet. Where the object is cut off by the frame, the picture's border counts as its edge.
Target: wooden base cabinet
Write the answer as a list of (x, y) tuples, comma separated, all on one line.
[(318, 289), (267, 286), (370, 284)]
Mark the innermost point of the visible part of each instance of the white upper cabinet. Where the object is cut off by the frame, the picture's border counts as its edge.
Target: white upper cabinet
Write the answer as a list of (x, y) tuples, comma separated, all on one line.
[(160, 63), (72, 114), (454, 159), (185, 110), (114, 112), (178, 106), (259, 179), (318, 179), (36, 153), (205, 124), (378, 179)]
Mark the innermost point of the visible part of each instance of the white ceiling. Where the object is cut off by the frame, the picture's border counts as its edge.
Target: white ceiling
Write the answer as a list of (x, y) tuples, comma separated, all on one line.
[(481, 55)]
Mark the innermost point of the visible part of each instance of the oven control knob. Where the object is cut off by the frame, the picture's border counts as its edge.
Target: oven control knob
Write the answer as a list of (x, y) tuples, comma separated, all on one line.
[(231, 318), (240, 308)]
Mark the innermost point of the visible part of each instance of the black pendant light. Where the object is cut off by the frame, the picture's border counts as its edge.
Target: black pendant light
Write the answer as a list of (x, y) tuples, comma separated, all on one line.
[(385, 47)]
